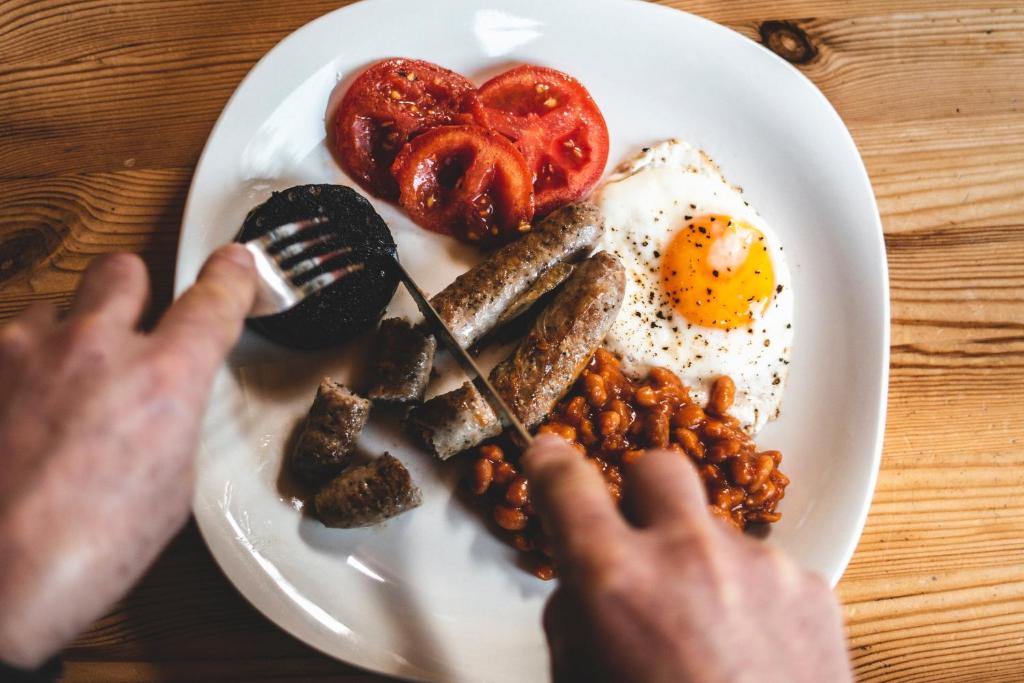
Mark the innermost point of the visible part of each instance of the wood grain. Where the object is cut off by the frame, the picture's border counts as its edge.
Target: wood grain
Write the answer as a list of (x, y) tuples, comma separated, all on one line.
[(96, 151)]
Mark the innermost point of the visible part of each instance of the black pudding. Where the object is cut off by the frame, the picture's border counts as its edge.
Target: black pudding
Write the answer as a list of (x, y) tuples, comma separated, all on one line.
[(354, 303)]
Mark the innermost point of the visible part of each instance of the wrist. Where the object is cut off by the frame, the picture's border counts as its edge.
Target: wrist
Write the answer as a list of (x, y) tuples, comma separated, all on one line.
[(27, 636)]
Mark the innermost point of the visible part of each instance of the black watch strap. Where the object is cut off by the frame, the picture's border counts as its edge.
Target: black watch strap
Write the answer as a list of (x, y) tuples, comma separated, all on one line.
[(47, 673)]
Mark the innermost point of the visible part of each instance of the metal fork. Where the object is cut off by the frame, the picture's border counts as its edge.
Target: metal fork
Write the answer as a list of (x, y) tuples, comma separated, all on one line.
[(282, 288), (278, 292)]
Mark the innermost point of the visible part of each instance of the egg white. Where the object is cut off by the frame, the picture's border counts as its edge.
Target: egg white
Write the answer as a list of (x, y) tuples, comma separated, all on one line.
[(645, 202)]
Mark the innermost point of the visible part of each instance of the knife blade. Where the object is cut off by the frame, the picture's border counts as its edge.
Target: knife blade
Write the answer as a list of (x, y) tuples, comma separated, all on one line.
[(465, 361)]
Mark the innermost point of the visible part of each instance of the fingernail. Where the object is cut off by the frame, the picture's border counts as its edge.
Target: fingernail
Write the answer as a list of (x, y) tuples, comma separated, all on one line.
[(236, 253), (543, 447), (548, 441), (540, 442)]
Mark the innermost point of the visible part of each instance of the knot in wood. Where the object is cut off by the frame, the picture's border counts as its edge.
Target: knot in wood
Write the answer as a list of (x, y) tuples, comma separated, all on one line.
[(22, 250), (788, 41)]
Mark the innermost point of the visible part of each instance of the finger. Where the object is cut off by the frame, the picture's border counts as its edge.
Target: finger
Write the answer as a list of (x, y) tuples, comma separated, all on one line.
[(573, 502), (38, 317), (116, 287), (559, 632), (19, 336), (206, 321), (661, 487), (571, 639)]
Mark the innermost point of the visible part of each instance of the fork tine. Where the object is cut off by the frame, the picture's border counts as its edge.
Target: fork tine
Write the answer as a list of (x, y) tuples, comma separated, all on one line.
[(321, 281), (283, 232), (300, 247), (309, 264)]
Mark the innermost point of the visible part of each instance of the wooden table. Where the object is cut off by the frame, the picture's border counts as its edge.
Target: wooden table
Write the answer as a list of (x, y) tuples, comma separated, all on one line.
[(105, 105)]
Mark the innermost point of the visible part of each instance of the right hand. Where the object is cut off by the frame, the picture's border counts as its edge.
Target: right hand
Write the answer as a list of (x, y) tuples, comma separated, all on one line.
[(671, 594)]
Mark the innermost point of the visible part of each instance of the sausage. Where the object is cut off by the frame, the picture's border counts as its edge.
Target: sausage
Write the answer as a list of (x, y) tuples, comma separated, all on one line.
[(541, 369), (329, 435), (552, 278), (450, 423), (367, 494), (563, 338), (471, 305), (402, 358)]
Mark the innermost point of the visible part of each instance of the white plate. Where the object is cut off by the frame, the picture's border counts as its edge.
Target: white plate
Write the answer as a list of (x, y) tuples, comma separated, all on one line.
[(433, 595)]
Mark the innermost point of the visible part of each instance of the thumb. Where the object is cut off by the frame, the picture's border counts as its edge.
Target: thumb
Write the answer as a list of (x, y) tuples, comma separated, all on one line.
[(207, 320)]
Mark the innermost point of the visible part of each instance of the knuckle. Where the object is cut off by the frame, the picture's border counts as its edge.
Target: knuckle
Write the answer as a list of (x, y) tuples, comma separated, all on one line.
[(606, 573), (15, 342), (86, 333), (695, 543), (168, 372), (124, 264), (123, 271), (552, 475), (218, 313)]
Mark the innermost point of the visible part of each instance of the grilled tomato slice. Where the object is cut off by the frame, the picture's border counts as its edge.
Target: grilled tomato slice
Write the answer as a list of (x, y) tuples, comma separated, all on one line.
[(554, 122), (385, 106), (465, 181)]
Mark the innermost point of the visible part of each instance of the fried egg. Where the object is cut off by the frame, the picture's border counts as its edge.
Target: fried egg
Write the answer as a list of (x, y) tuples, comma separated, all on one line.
[(708, 290)]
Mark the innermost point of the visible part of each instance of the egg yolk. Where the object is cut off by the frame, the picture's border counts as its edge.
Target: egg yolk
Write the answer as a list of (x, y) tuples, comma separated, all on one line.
[(717, 272)]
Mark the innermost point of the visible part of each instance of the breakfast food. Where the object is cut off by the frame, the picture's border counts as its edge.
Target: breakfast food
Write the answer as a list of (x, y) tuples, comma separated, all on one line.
[(472, 305), (612, 420), (328, 438), (562, 339), (467, 163), (676, 334), (384, 108), (403, 355), (465, 181), (354, 303), (539, 371), (554, 122), (354, 495), (548, 282), (367, 494), (453, 422), (708, 289)]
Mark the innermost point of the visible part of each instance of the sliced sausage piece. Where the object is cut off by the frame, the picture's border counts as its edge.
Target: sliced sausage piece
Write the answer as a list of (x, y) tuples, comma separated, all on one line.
[(540, 371), (402, 358), (450, 423), (367, 494), (329, 436), (471, 305), (563, 338)]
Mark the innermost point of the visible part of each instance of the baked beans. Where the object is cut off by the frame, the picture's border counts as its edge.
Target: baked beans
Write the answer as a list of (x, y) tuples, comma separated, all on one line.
[(613, 420)]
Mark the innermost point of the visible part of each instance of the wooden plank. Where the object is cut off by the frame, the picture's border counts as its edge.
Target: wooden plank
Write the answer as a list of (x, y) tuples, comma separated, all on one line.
[(873, 67), (936, 173), (763, 10), (34, 32), (49, 231), (62, 112)]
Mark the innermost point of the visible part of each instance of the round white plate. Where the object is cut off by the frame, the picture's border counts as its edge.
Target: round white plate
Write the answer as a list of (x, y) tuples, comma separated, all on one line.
[(433, 595)]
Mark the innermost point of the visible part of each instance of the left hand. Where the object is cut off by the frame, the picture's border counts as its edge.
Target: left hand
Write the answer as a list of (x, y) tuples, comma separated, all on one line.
[(98, 428)]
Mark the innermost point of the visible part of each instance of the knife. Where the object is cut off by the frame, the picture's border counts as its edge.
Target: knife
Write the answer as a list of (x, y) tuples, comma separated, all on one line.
[(469, 366)]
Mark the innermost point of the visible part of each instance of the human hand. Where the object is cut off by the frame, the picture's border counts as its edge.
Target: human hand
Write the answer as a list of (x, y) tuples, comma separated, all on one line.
[(98, 429), (671, 593)]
